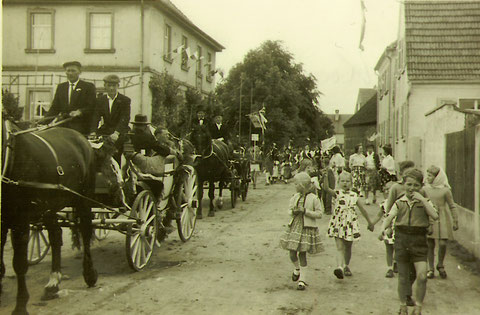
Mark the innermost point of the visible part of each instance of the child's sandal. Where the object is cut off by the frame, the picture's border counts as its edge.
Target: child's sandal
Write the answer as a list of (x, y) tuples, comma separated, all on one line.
[(301, 285), (430, 274), (338, 273), (295, 277), (442, 272)]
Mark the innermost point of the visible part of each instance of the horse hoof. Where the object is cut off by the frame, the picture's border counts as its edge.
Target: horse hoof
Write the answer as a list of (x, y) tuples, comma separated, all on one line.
[(50, 293), (90, 278), (199, 217), (211, 214)]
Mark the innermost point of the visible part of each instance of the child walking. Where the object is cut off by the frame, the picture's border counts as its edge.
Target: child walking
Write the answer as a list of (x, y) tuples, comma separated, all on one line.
[(302, 234), (412, 212), (343, 225), (438, 190)]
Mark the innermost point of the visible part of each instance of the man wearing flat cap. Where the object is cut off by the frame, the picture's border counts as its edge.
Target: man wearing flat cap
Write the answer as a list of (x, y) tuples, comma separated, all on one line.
[(112, 112), (75, 98)]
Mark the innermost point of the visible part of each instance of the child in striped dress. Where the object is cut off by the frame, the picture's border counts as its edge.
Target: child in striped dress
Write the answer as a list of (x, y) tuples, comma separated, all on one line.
[(302, 234)]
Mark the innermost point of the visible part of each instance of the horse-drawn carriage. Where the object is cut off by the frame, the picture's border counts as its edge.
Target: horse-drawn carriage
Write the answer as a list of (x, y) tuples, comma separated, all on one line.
[(143, 215)]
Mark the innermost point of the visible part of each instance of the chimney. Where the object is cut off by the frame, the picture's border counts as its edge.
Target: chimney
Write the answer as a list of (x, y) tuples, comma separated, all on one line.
[(337, 115)]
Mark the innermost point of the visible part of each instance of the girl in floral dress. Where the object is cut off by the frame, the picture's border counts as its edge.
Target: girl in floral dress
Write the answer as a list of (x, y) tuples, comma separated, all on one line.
[(302, 234), (343, 224)]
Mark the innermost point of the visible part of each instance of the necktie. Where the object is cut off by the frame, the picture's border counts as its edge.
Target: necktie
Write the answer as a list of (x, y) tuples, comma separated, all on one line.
[(70, 92)]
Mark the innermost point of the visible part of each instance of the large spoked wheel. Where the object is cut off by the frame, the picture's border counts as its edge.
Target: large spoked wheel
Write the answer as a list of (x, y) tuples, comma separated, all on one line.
[(188, 204), (38, 245), (101, 232), (140, 239)]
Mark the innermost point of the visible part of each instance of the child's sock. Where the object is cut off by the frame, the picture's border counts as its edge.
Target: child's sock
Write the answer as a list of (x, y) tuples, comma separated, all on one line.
[(303, 274), (296, 264)]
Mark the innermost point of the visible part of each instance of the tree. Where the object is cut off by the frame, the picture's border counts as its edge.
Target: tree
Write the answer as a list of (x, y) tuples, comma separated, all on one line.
[(168, 108), (268, 76), (10, 105)]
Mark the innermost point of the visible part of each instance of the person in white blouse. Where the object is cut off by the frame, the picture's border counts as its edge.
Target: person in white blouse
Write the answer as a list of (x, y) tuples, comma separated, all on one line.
[(387, 170), (357, 163)]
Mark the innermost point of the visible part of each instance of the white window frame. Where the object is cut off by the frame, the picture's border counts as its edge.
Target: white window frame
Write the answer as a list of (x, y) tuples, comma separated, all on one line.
[(29, 112), (30, 15), (167, 43), (89, 48), (476, 102)]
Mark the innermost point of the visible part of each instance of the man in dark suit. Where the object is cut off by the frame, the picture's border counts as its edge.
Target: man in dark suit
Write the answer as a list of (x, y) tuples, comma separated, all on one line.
[(112, 113), (75, 98), (201, 120), (218, 130)]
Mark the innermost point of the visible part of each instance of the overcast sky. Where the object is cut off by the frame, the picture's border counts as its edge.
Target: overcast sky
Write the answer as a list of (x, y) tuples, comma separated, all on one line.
[(323, 35)]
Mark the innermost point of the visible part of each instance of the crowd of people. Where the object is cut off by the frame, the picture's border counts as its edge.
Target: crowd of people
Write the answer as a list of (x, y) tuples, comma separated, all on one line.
[(417, 214), (418, 211)]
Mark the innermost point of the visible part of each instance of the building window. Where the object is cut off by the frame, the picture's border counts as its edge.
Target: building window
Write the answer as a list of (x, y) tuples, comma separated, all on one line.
[(39, 101), (41, 31), (167, 44), (100, 32), (469, 103), (199, 61), (185, 50), (209, 76)]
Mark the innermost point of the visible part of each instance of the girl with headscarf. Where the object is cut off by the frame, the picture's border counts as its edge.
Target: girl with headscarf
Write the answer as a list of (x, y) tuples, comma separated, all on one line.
[(438, 190)]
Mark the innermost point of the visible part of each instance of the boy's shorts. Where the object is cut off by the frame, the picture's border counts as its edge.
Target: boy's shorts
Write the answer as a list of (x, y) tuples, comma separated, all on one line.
[(410, 247)]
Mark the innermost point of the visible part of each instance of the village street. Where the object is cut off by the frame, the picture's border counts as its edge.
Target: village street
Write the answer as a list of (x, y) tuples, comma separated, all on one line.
[(233, 265)]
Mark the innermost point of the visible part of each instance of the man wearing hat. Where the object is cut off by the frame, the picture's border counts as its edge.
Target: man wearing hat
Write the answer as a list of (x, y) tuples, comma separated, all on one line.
[(218, 130), (112, 112), (201, 120), (75, 98)]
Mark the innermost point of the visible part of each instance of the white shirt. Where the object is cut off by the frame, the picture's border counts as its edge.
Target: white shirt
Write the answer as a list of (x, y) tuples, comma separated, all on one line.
[(110, 102), (71, 89), (389, 164), (219, 126), (370, 161)]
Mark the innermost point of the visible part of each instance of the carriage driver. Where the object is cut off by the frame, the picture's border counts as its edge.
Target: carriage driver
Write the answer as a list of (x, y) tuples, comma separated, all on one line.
[(75, 98)]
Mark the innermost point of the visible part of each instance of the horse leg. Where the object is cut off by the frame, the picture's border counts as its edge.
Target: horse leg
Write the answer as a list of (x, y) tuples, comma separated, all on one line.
[(221, 184), (90, 275), (55, 238), (20, 234), (211, 196), (199, 198)]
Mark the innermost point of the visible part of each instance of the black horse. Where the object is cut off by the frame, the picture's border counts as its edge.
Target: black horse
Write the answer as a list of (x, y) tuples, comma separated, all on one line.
[(35, 167), (211, 165)]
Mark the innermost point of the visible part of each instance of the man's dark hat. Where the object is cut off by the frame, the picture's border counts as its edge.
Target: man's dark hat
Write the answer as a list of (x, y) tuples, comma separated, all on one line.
[(112, 78), (140, 119), (72, 63)]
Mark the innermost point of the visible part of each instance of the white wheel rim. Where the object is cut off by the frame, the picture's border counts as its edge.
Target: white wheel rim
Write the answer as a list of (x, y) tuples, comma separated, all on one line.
[(37, 245), (100, 232), (143, 237), (189, 213)]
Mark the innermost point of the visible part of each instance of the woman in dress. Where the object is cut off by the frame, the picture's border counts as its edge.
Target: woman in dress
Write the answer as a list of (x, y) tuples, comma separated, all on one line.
[(357, 164)]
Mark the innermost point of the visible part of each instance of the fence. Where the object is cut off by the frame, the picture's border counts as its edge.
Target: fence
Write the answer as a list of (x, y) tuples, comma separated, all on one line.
[(460, 166)]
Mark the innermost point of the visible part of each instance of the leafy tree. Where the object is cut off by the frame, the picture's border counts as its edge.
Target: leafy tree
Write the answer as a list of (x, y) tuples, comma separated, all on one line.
[(10, 105), (268, 76), (168, 108)]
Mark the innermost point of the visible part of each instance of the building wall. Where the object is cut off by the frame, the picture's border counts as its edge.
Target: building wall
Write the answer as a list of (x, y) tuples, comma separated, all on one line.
[(70, 22), (357, 135)]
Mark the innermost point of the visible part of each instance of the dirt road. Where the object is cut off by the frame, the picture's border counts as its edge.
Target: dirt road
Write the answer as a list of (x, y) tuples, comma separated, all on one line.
[(233, 265)]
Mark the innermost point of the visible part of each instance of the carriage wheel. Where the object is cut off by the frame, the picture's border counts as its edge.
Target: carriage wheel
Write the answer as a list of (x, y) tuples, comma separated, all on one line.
[(188, 203), (38, 245), (101, 232), (141, 237)]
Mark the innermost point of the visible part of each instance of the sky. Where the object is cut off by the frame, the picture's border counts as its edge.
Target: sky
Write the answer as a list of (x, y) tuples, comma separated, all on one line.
[(323, 35)]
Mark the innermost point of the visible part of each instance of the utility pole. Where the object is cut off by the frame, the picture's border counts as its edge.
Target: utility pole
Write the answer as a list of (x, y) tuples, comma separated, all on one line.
[(251, 103)]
